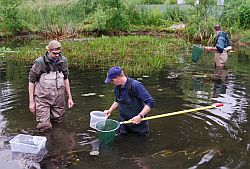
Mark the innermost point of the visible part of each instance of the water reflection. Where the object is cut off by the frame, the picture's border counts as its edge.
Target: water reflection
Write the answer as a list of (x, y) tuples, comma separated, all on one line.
[(233, 113), (60, 144), (27, 161), (206, 158), (220, 79), (139, 162), (206, 139), (7, 94)]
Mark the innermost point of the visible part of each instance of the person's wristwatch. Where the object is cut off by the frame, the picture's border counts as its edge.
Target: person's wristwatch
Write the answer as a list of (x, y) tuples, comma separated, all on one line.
[(141, 116)]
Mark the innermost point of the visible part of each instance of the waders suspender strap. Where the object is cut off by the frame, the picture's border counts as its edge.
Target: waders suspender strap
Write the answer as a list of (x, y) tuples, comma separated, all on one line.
[(47, 67), (130, 89), (228, 42), (60, 67)]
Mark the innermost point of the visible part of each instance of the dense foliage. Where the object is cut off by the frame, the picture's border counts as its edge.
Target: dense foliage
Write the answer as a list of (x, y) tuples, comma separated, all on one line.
[(67, 18)]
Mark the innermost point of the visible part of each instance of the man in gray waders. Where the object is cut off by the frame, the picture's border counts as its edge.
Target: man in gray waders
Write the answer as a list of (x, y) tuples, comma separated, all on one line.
[(132, 100), (48, 80), (221, 47)]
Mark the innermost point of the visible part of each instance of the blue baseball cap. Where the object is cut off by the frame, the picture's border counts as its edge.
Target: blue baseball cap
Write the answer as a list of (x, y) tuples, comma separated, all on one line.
[(113, 73)]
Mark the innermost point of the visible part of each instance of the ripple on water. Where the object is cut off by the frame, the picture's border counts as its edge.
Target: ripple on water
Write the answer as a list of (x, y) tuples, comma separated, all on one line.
[(8, 97), (231, 92)]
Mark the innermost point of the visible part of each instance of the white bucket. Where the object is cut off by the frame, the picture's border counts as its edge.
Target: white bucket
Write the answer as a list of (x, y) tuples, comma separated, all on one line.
[(95, 117)]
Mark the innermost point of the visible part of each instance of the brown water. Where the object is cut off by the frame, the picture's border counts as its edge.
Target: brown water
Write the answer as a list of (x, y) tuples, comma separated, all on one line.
[(215, 138)]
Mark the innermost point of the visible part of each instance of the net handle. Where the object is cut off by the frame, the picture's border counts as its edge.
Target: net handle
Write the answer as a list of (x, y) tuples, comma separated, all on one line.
[(175, 113)]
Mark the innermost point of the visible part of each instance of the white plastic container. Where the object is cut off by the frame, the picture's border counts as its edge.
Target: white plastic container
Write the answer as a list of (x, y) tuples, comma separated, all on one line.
[(27, 143), (95, 117)]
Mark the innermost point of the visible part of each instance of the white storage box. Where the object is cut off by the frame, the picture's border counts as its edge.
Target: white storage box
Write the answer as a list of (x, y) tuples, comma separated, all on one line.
[(27, 143)]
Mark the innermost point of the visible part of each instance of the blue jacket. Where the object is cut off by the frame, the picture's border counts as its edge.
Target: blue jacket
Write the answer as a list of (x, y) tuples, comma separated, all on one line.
[(131, 99), (133, 90), (222, 41)]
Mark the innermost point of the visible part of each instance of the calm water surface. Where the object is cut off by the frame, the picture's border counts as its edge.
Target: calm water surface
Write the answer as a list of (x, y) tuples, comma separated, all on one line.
[(215, 138)]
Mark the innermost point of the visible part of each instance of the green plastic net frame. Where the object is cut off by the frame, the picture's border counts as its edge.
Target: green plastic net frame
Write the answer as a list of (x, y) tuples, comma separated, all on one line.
[(106, 131), (197, 51)]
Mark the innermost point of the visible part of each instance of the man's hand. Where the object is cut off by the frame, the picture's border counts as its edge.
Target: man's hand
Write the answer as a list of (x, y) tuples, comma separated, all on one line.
[(70, 103), (209, 48), (136, 119), (32, 106), (107, 113)]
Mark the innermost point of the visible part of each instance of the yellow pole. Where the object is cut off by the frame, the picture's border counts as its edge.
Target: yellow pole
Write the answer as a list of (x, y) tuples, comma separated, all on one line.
[(175, 113)]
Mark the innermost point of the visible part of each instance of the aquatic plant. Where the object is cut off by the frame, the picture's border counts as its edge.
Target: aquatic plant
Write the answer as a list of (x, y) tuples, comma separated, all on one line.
[(4, 50), (135, 53)]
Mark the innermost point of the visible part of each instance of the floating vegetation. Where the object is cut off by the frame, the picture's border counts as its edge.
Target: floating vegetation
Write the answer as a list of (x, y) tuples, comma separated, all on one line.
[(4, 50), (94, 153), (173, 75), (88, 94), (189, 153)]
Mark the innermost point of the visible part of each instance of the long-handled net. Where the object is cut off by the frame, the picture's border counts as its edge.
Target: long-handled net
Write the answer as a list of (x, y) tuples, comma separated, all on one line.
[(106, 131), (197, 51)]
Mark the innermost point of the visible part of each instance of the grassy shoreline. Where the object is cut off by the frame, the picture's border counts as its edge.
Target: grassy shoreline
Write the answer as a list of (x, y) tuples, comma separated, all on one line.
[(136, 54)]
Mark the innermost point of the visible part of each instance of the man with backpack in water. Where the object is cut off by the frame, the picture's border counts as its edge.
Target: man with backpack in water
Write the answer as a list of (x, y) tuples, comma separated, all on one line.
[(221, 47), (48, 81), (132, 100)]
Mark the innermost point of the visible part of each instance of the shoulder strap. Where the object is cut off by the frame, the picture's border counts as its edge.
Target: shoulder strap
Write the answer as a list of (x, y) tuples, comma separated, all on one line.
[(47, 67), (228, 43), (130, 88), (60, 65)]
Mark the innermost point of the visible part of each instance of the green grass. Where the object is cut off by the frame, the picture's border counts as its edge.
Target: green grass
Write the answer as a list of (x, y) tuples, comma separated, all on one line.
[(61, 18), (244, 38), (136, 54), (38, 4)]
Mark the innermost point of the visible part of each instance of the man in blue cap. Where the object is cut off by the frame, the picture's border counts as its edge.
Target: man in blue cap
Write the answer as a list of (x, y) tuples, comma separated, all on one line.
[(132, 100)]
